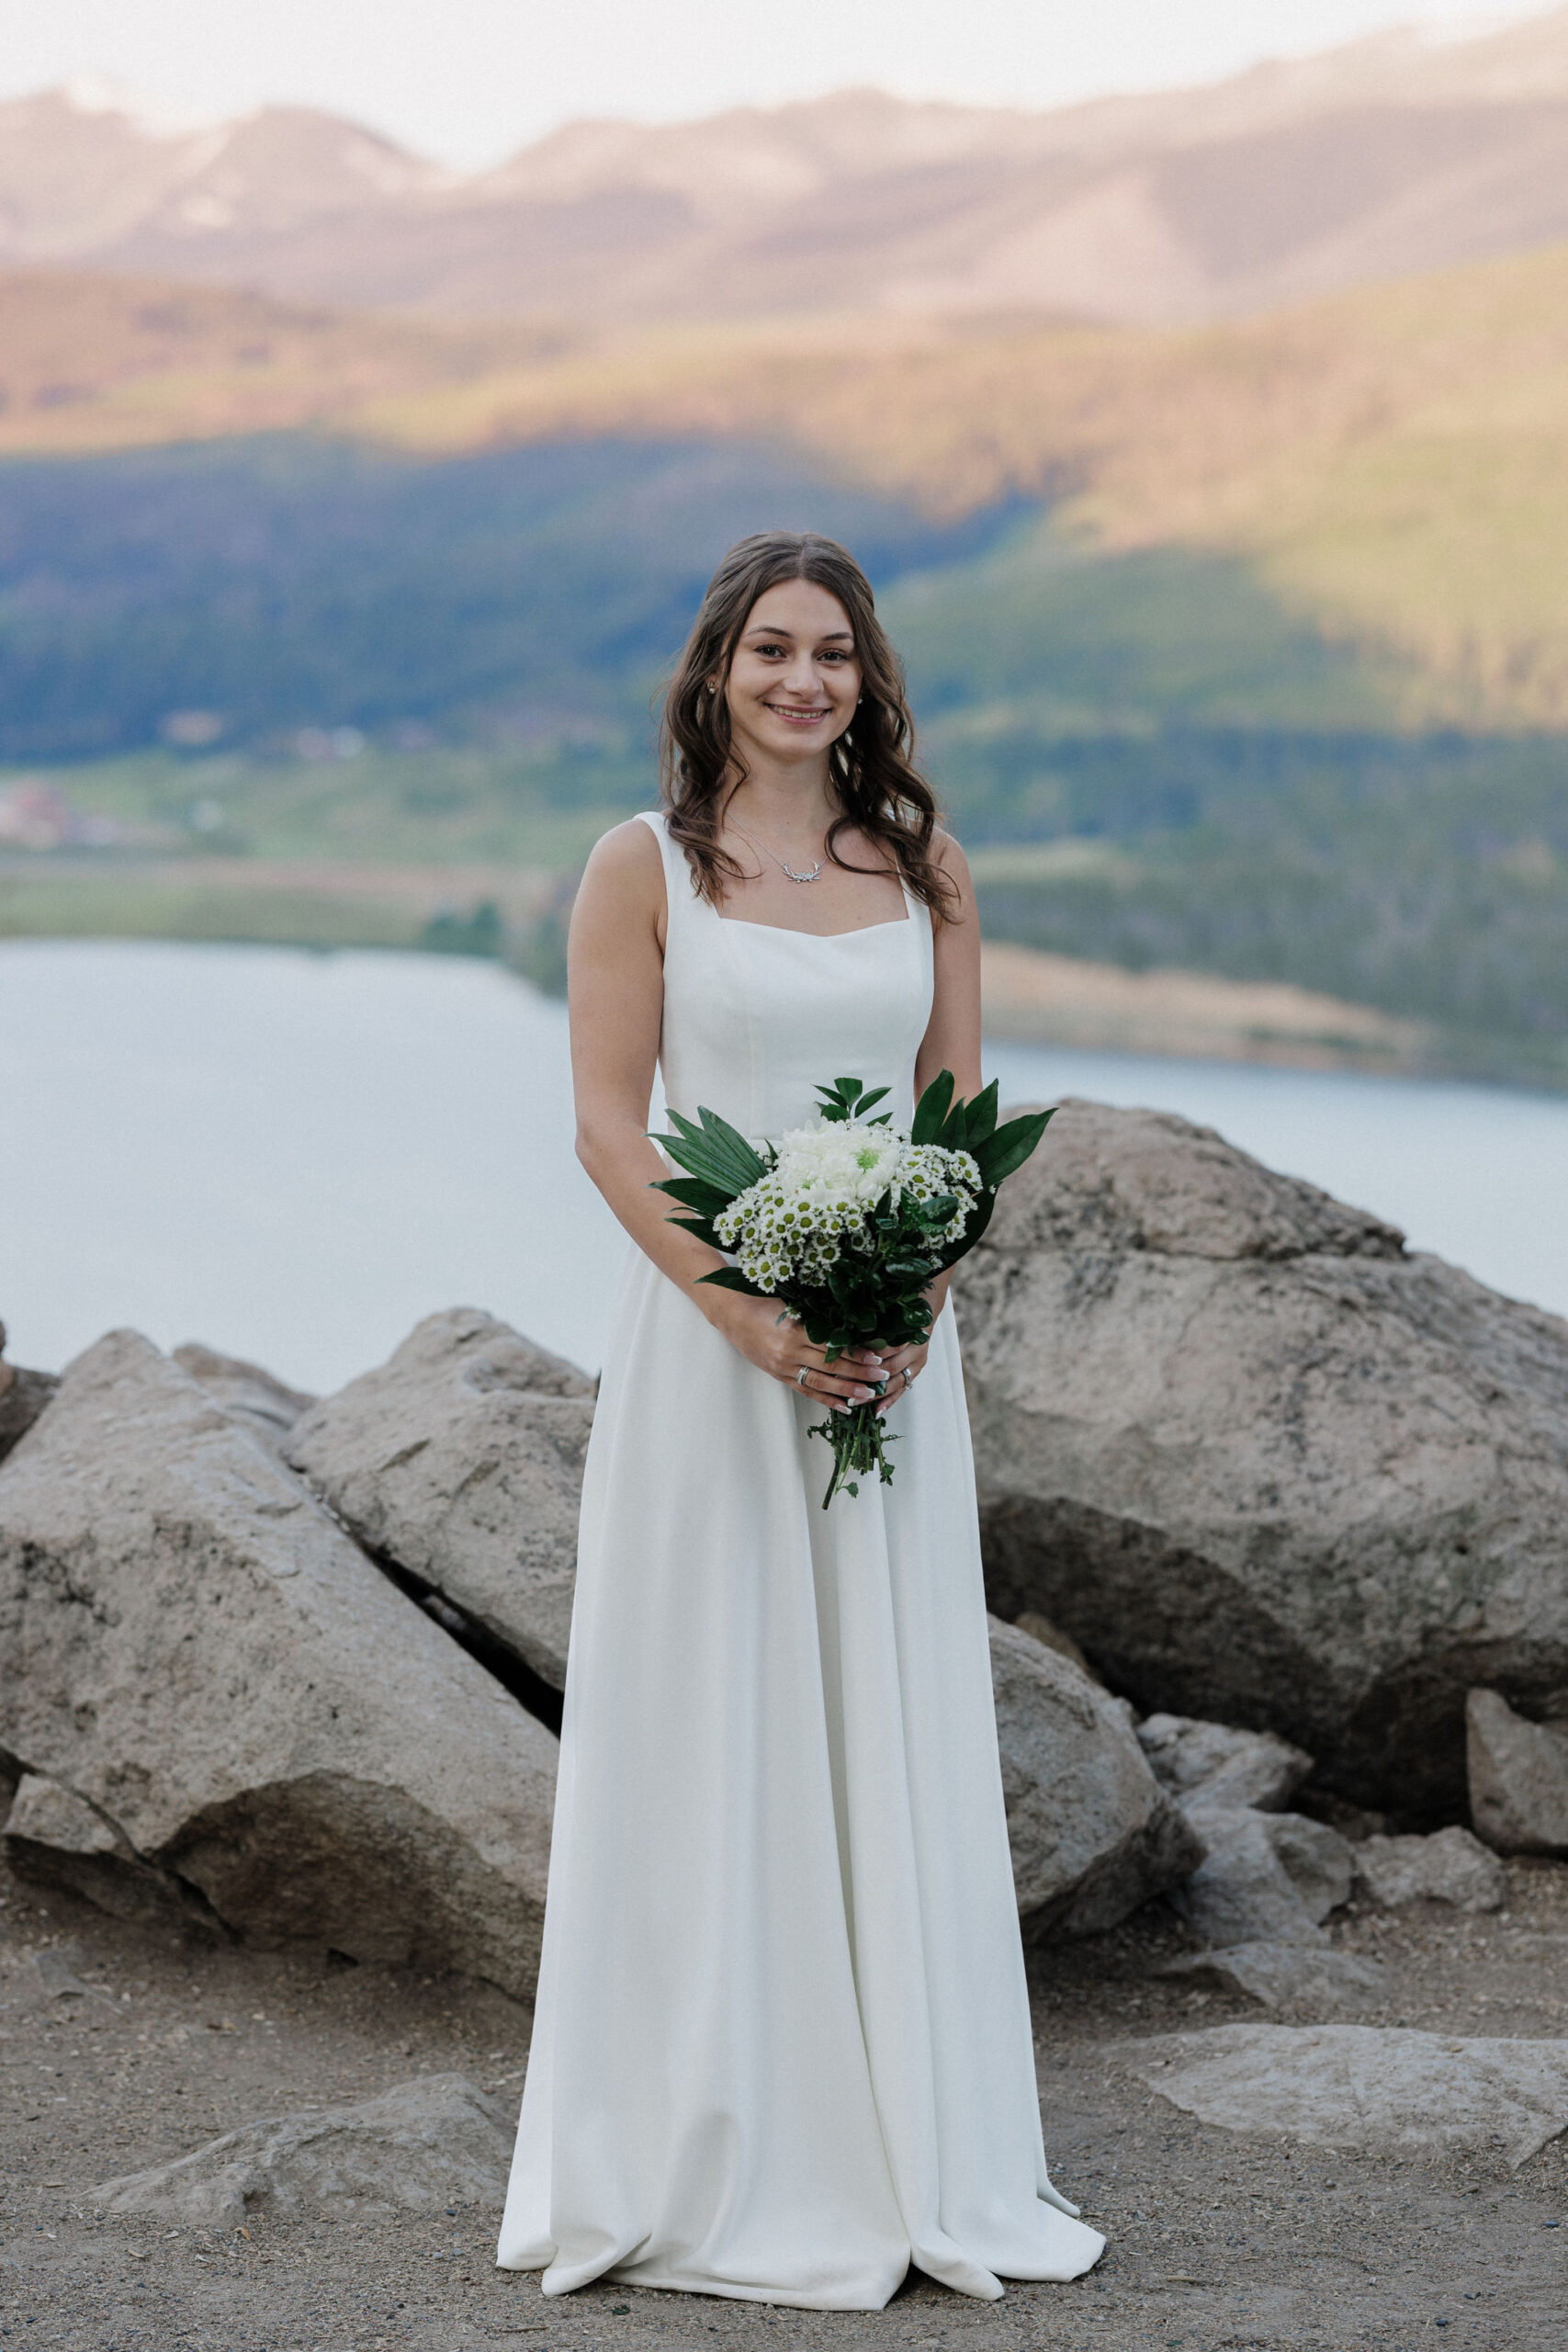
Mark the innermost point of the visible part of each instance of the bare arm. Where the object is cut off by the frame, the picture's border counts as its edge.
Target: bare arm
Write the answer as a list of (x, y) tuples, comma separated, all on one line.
[(952, 1041), (952, 1035), (615, 988)]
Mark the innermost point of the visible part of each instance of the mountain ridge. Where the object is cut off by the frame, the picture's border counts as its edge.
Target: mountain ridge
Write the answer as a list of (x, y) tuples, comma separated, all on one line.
[(1375, 159)]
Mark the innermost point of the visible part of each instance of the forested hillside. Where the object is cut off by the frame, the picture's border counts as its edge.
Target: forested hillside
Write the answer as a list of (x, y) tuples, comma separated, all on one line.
[(1248, 644)]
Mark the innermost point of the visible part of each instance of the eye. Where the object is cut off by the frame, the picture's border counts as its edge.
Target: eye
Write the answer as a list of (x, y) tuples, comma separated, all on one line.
[(768, 648)]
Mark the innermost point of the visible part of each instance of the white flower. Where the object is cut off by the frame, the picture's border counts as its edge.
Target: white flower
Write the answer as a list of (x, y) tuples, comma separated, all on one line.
[(817, 1200)]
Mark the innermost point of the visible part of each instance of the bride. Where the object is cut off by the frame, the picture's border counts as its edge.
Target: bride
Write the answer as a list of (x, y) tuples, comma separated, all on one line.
[(781, 2047)]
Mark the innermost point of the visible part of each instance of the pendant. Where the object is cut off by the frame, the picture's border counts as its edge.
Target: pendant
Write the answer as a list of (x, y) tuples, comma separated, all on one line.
[(802, 878)]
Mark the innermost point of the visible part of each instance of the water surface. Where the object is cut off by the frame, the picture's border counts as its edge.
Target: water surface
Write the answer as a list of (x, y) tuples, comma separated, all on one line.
[(293, 1156)]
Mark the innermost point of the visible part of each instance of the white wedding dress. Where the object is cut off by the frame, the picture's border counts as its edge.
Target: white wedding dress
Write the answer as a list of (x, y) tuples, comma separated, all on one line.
[(781, 2047)]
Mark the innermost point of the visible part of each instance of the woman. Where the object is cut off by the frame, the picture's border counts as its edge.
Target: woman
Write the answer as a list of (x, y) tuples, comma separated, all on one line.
[(783, 2046)]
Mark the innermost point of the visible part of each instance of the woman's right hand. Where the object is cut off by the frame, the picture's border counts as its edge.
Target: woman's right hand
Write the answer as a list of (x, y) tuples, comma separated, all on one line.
[(766, 1335)]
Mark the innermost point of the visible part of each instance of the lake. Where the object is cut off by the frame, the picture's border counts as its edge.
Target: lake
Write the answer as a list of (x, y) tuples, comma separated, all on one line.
[(293, 1156)]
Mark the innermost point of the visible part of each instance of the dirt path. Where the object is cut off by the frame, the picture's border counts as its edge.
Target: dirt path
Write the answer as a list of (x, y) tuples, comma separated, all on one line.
[(1215, 2240)]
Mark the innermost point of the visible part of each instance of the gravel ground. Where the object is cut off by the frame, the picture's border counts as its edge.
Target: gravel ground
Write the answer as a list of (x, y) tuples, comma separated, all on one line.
[(1215, 2240)]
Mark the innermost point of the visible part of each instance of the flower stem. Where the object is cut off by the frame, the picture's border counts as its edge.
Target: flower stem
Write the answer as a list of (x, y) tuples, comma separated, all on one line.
[(859, 1447)]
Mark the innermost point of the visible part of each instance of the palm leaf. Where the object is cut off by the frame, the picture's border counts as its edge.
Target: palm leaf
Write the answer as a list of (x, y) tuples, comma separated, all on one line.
[(709, 1148)]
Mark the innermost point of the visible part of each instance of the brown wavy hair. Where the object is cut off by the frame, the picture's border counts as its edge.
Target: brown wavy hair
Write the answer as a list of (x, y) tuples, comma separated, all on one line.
[(871, 768)]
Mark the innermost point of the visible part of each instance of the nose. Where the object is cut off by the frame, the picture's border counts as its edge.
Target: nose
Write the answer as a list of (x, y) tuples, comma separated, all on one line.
[(802, 680)]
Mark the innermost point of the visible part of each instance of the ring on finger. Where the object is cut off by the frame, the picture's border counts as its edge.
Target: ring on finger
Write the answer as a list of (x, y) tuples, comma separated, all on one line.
[(800, 1375)]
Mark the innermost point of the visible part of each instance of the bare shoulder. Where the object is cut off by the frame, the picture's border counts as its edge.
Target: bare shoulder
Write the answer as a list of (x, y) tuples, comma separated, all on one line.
[(620, 899), (625, 854), (953, 866)]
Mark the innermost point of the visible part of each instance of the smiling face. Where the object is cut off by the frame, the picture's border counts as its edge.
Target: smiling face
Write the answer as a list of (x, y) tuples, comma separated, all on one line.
[(794, 679)]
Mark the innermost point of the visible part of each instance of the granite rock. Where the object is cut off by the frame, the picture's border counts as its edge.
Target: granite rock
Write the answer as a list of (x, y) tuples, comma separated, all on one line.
[(1213, 1764), (419, 2146), (193, 1650), (1382, 2090), (460, 1459), (1265, 1877), (1311, 1977), (23, 1395), (256, 1400), (1518, 1778), (1092, 1833), (1450, 1866), (1267, 1468)]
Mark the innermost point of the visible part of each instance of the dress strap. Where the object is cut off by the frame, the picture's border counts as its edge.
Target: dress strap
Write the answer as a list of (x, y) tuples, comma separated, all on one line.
[(682, 908)]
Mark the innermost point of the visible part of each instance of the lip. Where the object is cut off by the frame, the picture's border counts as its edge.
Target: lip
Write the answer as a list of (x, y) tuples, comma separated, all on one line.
[(798, 713)]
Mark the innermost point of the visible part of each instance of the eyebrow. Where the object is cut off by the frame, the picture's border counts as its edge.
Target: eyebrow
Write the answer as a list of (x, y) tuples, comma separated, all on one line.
[(827, 637)]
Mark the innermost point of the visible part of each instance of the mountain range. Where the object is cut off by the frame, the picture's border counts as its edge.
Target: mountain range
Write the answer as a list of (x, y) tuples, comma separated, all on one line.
[(1393, 155)]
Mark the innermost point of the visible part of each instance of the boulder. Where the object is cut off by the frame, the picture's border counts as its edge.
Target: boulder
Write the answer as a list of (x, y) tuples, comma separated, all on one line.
[(1294, 1976), (1449, 1867), (424, 2144), (1382, 2090), (461, 1460), (1265, 1877), (56, 1838), (1039, 1629), (1518, 1778), (1092, 1833), (23, 1395), (255, 1398), (1211, 1764), (193, 1649), (1263, 1465)]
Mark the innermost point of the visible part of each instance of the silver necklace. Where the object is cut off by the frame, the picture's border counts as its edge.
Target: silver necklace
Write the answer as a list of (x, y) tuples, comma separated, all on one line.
[(776, 858)]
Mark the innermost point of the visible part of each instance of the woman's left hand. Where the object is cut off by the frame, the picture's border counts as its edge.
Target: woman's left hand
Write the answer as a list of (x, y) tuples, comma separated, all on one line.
[(900, 1368)]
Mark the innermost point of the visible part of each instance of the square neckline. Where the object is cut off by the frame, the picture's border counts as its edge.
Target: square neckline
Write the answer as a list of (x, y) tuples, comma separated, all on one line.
[(790, 931), (654, 819)]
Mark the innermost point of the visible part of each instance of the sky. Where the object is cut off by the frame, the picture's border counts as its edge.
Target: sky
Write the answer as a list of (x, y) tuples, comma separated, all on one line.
[(470, 81)]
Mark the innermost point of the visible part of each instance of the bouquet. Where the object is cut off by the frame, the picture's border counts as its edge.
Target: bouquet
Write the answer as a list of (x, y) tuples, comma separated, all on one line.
[(849, 1222)]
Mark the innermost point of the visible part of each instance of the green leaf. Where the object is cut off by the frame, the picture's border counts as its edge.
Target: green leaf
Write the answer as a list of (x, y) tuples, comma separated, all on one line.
[(982, 1115), (712, 1150), (694, 1192), (931, 1109), (702, 1228), (877, 1094), (846, 1280), (839, 1099), (1007, 1149), (731, 1278), (978, 1219), (954, 1134)]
